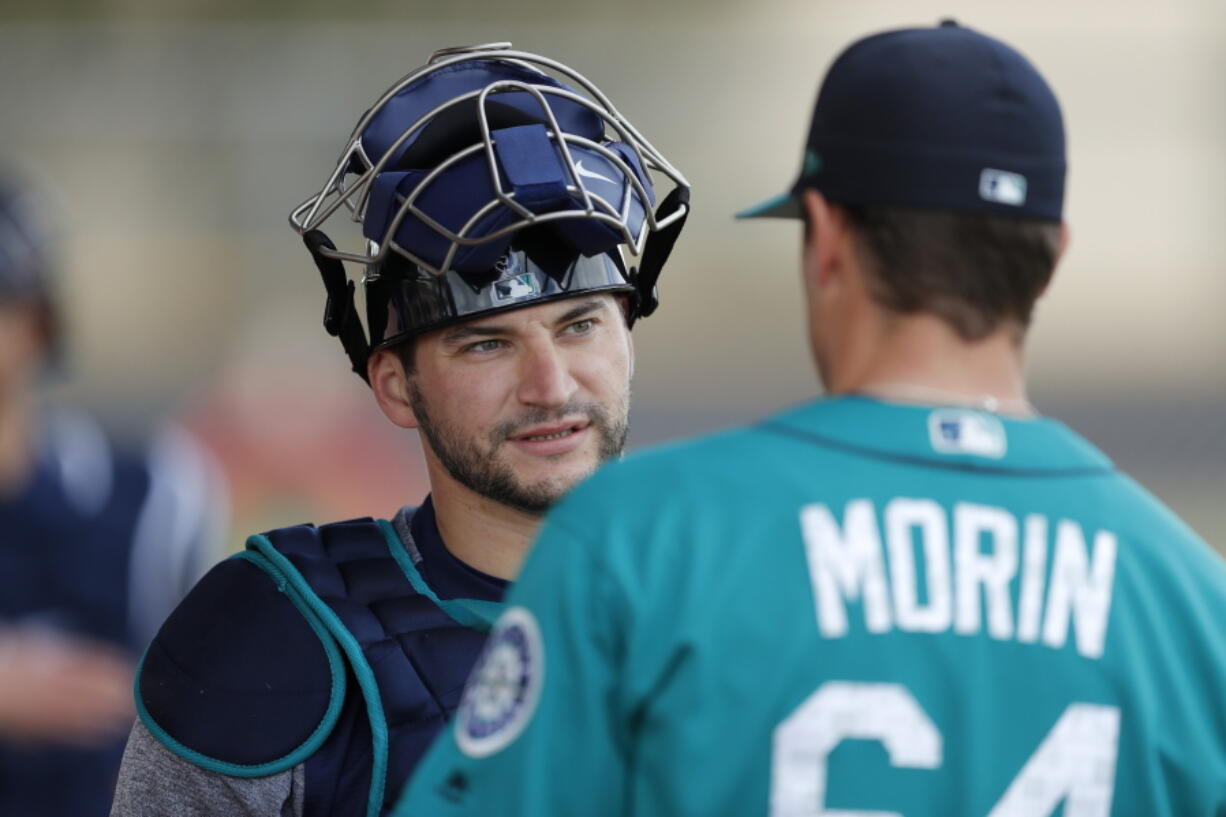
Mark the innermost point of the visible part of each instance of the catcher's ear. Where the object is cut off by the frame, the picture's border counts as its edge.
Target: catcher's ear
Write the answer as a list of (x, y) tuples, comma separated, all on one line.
[(390, 383)]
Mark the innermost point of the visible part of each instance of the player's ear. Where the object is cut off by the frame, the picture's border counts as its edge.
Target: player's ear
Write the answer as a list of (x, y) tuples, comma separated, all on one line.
[(1061, 245), (827, 238), (390, 384), (1065, 237)]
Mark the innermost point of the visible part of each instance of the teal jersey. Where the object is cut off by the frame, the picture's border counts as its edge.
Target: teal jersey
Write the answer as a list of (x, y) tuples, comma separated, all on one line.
[(854, 608)]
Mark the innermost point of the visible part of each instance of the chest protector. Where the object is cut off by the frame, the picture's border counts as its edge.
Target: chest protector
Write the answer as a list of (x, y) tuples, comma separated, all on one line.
[(251, 674)]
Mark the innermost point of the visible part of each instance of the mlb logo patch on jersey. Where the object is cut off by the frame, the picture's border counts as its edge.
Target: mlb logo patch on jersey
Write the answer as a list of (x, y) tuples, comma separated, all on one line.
[(504, 687), (961, 431)]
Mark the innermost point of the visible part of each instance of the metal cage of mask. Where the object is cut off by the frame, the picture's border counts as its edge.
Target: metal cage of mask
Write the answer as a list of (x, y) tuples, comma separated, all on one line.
[(455, 217), (631, 156)]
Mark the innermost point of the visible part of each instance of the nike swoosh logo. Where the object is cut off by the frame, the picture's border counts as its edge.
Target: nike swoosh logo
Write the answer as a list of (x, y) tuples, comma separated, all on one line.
[(591, 174)]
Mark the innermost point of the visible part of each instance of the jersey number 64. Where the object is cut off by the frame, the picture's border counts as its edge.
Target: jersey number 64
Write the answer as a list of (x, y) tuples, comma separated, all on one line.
[(1074, 764)]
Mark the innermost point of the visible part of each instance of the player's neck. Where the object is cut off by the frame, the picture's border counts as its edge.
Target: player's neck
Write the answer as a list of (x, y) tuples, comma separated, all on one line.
[(480, 532), (922, 360)]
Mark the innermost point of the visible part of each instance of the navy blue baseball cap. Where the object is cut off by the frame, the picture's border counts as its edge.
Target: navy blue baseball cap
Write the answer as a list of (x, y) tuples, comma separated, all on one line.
[(940, 117)]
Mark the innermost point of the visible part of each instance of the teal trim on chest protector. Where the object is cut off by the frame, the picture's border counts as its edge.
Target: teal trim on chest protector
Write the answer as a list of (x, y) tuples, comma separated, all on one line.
[(474, 614), (308, 747), (357, 661)]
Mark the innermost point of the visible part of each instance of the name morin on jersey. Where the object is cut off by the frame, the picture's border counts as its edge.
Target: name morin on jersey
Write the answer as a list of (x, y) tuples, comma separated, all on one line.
[(963, 578)]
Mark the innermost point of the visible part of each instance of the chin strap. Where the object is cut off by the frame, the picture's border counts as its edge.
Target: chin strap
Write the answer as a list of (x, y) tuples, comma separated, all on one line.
[(655, 253), (340, 313)]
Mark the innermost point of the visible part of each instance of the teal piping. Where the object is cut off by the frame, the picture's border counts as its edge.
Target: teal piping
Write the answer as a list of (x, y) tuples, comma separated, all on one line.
[(309, 746), (474, 614), (357, 660)]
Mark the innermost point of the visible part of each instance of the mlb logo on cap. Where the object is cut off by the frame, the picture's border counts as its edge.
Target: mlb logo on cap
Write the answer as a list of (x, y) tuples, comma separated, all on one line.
[(1002, 186)]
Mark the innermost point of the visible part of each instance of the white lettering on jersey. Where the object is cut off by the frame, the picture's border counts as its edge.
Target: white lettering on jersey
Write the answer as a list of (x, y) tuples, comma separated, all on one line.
[(992, 569), (1034, 565), (846, 566), (836, 712), (1080, 589), (1074, 766), (962, 579), (902, 516)]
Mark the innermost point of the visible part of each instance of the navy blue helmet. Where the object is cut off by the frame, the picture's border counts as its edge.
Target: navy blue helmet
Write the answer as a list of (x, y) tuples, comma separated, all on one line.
[(490, 179)]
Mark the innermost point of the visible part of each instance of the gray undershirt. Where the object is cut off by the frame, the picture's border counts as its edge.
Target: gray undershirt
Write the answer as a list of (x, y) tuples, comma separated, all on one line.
[(155, 782)]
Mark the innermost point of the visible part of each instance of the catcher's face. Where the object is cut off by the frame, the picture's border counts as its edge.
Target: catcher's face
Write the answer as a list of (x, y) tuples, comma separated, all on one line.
[(520, 406)]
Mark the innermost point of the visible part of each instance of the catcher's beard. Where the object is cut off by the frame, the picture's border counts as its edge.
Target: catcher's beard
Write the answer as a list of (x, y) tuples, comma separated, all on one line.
[(475, 463)]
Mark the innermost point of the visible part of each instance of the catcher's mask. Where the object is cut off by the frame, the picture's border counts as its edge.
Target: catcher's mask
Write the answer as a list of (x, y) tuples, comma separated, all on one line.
[(482, 183)]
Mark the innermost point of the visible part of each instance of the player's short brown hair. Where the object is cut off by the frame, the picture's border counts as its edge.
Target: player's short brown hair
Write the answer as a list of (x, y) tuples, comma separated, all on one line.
[(977, 272), (406, 350)]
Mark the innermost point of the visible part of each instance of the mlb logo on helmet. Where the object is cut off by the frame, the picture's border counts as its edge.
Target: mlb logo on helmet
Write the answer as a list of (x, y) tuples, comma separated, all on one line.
[(515, 283), (515, 287)]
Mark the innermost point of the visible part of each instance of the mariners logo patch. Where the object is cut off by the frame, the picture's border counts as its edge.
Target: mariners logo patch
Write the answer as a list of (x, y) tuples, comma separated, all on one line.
[(505, 685), (960, 431)]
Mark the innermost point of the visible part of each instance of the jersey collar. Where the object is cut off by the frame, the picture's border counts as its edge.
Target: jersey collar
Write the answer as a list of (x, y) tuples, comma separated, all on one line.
[(943, 436)]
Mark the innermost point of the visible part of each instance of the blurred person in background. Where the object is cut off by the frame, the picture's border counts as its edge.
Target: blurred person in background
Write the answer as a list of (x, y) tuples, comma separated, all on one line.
[(497, 191), (913, 596), (96, 546)]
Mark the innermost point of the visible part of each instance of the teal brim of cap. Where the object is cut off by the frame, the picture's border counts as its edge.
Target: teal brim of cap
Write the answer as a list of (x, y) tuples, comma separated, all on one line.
[(784, 206)]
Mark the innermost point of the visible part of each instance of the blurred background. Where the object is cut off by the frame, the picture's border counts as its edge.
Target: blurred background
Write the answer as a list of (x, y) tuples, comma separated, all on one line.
[(179, 135)]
